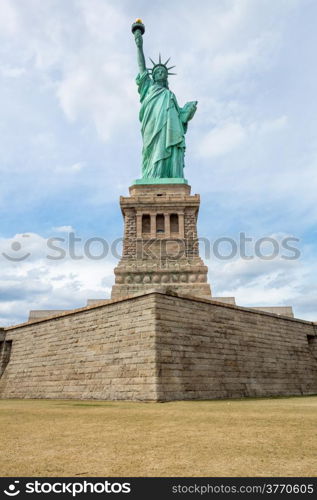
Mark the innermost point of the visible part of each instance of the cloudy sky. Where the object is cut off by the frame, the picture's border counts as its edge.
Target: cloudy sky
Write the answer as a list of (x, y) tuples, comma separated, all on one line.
[(70, 141)]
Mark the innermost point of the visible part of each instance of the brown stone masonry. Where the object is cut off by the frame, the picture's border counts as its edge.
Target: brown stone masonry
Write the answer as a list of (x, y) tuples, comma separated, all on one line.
[(160, 244), (160, 346), (100, 352), (207, 350)]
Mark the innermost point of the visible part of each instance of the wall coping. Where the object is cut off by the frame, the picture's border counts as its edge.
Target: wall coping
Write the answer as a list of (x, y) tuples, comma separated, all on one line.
[(162, 291)]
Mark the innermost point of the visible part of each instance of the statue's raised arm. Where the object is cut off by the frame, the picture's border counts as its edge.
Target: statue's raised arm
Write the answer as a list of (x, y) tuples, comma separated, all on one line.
[(164, 122), (138, 30)]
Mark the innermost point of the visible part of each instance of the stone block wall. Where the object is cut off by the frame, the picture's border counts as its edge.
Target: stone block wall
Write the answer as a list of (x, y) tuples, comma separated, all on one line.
[(102, 352), (208, 350), (129, 241), (5, 351), (160, 346), (312, 343), (190, 222)]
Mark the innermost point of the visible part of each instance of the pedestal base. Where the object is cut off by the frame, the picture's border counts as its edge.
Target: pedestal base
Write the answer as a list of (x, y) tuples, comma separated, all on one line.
[(137, 276), (161, 246)]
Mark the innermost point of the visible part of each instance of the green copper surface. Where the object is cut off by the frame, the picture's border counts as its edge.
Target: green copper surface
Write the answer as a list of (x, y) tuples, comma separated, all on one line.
[(163, 122), (162, 180)]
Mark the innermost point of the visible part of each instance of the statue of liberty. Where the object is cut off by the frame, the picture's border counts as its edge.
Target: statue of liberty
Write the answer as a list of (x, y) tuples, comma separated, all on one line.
[(164, 123)]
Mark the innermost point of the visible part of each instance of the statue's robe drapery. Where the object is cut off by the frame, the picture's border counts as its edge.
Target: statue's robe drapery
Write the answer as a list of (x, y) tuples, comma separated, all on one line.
[(162, 130)]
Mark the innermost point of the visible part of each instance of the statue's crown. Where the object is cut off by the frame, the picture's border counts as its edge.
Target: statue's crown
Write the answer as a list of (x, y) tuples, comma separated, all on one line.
[(160, 63)]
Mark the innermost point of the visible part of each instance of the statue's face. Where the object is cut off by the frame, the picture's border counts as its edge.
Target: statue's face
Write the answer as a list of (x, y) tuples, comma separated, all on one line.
[(160, 75)]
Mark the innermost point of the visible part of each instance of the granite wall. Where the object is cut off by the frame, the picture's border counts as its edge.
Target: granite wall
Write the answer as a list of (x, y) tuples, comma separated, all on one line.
[(208, 350), (102, 352), (159, 346)]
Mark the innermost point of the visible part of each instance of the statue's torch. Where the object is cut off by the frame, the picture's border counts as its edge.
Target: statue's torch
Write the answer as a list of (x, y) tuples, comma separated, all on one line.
[(138, 26)]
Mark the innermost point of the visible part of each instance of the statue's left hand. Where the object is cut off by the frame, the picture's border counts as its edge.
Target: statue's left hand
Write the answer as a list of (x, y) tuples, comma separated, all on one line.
[(193, 108), (189, 110)]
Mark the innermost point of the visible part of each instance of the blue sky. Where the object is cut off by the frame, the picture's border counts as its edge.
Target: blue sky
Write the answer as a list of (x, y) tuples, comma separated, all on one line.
[(71, 142)]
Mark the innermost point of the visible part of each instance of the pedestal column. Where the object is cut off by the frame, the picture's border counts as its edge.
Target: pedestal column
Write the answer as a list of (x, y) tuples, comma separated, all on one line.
[(167, 225), (139, 225), (181, 225), (153, 225)]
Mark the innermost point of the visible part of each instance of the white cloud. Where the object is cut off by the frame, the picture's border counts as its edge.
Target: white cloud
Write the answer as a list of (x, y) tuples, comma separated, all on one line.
[(80, 60), (227, 137), (63, 229), (9, 19), (38, 282), (255, 53), (275, 282), (98, 91), (224, 64), (12, 72), (104, 22), (21, 247), (274, 125), (70, 169), (222, 140)]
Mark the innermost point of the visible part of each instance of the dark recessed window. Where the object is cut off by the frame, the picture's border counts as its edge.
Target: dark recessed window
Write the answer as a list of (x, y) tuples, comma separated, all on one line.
[(174, 223), (146, 223)]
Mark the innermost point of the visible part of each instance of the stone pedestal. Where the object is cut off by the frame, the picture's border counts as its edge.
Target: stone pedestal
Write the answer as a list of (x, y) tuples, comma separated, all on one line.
[(160, 242)]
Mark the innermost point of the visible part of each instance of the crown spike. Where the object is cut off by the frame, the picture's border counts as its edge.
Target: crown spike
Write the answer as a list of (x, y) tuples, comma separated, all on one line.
[(160, 63)]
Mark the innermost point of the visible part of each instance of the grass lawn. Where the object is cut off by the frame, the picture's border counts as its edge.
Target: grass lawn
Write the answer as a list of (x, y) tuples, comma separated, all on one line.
[(255, 437)]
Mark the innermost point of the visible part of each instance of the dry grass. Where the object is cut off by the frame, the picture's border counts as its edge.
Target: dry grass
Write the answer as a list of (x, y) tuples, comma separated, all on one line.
[(263, 437)]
